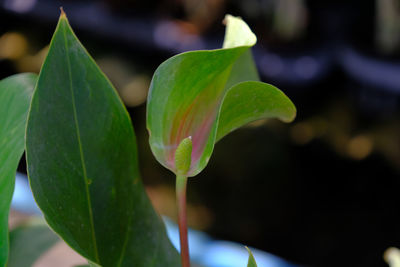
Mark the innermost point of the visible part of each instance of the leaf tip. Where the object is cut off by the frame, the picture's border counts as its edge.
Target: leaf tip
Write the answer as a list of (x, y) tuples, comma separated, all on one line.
[(251, 262), (62, 14), (248, 250)]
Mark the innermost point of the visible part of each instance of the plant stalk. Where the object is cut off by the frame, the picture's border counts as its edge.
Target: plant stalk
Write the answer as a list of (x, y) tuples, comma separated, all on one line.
[(181, 182)]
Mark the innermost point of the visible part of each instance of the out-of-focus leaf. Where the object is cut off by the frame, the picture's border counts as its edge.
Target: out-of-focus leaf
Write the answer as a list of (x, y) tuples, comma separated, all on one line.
[(82, 163), (252, 261), (15, 97), (250, 101), (28, 242)]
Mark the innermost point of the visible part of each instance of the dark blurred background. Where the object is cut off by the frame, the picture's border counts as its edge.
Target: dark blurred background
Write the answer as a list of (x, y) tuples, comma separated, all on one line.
[(322, 191)]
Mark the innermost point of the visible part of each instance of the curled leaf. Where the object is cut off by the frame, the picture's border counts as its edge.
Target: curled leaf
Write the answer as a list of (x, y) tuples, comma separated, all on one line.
[(188, 91)]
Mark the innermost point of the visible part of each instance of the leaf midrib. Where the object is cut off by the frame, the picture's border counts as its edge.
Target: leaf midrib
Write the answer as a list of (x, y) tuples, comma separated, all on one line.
[(80, 148)]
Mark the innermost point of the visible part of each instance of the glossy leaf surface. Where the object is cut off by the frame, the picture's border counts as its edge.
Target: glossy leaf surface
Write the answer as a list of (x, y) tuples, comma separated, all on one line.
[(83, 166), (15, 96), (29, 241), (188, 90)]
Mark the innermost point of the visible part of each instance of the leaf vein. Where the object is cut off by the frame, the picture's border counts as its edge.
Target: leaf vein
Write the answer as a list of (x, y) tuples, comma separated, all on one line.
[(80, 149)]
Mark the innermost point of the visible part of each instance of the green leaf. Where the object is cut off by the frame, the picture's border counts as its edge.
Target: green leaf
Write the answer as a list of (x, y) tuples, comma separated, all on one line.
[(184, 98), (185, 95), (29, 241), (252, 261), (243, 70), (15, 96), (250, 101), (83, 166), (188, 90)]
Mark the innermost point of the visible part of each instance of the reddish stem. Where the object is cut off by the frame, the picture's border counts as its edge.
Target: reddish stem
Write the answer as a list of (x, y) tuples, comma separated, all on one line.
[(181, 182)]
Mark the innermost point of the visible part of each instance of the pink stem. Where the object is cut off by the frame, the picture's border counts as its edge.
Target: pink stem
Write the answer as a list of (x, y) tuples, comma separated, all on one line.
[(181, 182)]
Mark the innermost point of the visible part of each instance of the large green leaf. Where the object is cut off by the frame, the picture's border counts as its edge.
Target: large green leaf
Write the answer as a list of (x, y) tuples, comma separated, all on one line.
[(83, 166), (15, 97), (188, 90), (29, 241)]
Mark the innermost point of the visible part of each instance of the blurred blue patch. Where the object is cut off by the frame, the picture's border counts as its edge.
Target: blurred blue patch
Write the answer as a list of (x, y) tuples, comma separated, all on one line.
[(23, 200), (203, 250)]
